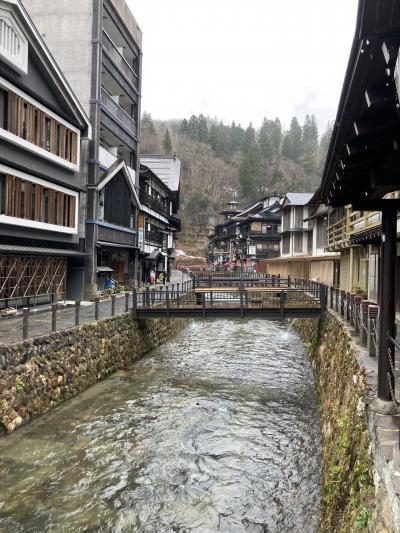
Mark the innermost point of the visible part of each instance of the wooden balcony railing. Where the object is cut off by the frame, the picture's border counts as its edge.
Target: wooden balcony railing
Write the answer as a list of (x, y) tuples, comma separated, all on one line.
[(117, 112), (338, 234), (153, 203), (119, 60)]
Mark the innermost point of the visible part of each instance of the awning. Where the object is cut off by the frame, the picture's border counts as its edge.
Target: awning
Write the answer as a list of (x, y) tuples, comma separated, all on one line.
[(115, 245), (155, 254), (33, 250), (104, 269)]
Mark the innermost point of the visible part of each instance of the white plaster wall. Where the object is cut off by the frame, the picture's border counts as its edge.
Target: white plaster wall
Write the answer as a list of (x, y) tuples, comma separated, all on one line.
[(66, 27)]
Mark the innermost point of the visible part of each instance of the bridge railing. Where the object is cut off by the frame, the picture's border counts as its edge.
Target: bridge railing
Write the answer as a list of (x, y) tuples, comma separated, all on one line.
[(228, 274), (241, 299), (249, 280)]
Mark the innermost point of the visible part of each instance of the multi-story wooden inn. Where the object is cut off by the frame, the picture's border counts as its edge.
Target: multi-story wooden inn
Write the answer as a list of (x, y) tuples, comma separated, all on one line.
[(42, 188), (158, 223), (247, 238), (98, 46)]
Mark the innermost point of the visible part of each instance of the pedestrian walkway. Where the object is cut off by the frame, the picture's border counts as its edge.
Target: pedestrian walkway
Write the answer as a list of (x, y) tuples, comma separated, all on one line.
[(40, 321)]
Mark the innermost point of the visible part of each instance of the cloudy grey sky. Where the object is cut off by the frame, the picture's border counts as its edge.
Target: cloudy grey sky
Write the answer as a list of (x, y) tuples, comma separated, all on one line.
[(244, 60)]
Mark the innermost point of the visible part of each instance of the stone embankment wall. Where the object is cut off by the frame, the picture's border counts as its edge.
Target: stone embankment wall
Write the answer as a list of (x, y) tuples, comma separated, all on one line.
[(39, 373), (353, 495)]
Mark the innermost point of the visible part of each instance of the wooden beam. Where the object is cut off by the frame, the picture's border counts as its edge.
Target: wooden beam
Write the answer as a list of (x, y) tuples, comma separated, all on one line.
[(375, 205)]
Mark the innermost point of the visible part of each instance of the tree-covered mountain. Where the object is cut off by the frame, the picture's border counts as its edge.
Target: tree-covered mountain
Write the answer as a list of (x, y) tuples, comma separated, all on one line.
[(221, 162)]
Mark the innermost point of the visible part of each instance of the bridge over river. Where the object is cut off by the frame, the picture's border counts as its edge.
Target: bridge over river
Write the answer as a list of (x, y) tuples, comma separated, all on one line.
[(225, 296)]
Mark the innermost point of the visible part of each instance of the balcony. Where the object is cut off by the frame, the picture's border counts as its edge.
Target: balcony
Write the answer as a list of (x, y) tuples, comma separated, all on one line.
[(353, 223), (119, 60), (153, 203), (117, 113), (154, 238)]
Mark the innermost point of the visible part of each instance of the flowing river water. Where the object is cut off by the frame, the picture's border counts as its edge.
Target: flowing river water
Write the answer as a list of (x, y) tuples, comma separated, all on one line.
[(218, 430)]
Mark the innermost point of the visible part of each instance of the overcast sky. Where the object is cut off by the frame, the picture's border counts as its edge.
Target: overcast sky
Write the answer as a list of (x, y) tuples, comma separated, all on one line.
[(243, 60)]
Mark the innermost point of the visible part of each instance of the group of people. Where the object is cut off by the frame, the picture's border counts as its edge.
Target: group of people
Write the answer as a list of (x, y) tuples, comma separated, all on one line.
[(161, 278)]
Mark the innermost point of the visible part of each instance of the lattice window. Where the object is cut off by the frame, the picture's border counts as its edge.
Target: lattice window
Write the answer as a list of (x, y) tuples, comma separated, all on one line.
[(31, 201), (35, 126), (32, 276)]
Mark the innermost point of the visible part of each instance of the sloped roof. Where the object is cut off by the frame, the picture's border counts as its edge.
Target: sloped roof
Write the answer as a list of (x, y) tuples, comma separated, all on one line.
[(298, 198), (108, 175), (166, 167)]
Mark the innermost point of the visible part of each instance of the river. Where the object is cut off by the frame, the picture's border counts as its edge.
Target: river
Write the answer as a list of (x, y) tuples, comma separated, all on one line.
[(218, 430)]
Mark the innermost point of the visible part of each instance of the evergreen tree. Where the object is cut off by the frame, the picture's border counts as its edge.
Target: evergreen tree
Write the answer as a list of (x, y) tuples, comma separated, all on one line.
[(193, 128), (264, 140), (147, 124), (202, 129), (183, 128), (309, 158), (213, 136), (292, 143), (276, 135), (249, 138), (251, 175), (167, 142)]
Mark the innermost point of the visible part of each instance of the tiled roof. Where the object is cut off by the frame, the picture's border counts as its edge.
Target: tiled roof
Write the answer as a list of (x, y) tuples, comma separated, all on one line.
[(166, 167)]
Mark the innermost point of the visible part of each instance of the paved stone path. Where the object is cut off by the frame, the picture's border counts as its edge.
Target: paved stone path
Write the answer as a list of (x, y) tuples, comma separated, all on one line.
[(40, 321)]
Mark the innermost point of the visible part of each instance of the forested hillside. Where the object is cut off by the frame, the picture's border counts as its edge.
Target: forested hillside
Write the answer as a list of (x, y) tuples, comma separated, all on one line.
[(221, 162)]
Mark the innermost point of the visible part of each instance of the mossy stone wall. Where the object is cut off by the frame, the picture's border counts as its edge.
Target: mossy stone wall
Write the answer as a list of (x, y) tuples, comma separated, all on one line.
[(39, 373), (347, 496)]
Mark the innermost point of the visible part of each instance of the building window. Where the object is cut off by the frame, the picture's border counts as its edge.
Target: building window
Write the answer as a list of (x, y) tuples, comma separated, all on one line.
[(298, 217), (23, 119), (23, 199), (298, 242)]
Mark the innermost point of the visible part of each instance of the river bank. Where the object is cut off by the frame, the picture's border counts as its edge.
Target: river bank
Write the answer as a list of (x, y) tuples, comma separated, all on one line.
[(359, 489), (39, 374)]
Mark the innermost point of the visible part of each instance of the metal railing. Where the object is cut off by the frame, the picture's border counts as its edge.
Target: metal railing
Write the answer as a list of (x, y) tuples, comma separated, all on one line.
[(32, 322), (214, 302), (119, 60), (117, 112)]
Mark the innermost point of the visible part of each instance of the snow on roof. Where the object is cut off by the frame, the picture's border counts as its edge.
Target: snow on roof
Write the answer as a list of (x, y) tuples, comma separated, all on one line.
[(166, 167), (299, 198)]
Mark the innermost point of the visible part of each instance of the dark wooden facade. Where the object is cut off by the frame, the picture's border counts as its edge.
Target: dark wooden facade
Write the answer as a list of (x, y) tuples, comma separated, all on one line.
[(41, 186)]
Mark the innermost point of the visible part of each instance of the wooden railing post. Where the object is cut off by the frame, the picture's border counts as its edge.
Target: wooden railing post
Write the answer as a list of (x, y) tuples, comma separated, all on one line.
[(77, 309), (373, 311), (357, 313), (322, 297), (54, 318), (113, 298), (364, 322), (96, 308), (167, 301), (331, 289), (126, 301), (282, 303), (342, 298), (134, 303), (25, 322), (203, 302), (289, 281), (352, 308), (348, 307)]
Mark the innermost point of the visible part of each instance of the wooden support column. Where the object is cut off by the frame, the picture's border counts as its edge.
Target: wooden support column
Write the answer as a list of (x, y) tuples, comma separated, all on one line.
[(387, 324)]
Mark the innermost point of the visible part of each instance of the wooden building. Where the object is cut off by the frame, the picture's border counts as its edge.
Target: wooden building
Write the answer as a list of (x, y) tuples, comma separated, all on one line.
[(158, 222), (42, 185), (362, 165), (246, 238), (98, 46)]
